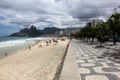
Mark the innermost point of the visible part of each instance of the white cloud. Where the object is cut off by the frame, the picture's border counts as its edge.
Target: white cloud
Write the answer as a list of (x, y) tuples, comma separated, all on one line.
[(57, 13)]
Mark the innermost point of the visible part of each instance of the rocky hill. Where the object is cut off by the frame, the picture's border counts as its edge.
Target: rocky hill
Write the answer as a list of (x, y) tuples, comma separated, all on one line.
[(34, 32)]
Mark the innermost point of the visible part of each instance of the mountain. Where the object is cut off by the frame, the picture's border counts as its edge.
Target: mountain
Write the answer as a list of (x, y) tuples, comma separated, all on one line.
[(34, 32), (50, 30)]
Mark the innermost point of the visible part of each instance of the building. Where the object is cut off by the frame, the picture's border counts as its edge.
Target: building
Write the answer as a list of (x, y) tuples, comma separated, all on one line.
[(95, 22), (88, 24), (69, 31)]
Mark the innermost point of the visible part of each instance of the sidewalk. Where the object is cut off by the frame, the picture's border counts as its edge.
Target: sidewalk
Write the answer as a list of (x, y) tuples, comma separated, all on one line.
[(70, 70), (82, 63)]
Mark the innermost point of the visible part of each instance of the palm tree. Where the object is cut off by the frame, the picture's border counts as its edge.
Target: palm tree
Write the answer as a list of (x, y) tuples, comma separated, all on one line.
[(114, 25), (102, 31)]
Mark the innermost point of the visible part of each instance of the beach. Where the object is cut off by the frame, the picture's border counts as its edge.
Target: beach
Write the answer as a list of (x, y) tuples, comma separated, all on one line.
[(35, 63)]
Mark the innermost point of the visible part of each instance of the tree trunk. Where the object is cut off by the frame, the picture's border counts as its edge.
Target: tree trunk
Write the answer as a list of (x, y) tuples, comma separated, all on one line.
[(100, 44), (114, 39), (114, 42), (87, 39), (92, 40)]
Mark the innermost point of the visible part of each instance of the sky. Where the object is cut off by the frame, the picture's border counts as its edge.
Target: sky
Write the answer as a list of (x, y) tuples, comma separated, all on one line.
[(18, 14)]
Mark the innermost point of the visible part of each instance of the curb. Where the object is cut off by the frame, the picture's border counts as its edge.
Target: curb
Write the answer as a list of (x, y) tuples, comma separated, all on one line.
[(60, 66)]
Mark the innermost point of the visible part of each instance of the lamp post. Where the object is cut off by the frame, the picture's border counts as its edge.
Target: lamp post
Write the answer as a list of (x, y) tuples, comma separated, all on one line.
[(115, 9)]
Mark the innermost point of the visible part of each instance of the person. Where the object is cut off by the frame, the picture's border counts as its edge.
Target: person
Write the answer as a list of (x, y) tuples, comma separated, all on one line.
[(5, 54), (55, 41), (29, 47), (47, 43), (40, 45)]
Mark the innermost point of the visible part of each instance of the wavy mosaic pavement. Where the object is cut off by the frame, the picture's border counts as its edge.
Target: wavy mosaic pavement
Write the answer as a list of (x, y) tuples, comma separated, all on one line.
[(91, 67)]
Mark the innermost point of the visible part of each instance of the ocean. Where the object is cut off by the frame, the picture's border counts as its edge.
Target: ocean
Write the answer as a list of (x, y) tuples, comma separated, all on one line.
[(12, 44)]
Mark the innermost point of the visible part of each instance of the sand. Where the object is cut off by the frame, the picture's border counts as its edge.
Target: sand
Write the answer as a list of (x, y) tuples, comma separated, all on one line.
[(37, 63)]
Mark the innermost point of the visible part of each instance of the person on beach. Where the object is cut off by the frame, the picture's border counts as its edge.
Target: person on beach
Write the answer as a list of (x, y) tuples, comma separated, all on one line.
[(55, 41), (5, 54), (40, 45), (47, 43), (30, 47)]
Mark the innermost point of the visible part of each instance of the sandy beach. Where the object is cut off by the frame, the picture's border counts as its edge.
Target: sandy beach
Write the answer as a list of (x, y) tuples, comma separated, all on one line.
[(37, 63)]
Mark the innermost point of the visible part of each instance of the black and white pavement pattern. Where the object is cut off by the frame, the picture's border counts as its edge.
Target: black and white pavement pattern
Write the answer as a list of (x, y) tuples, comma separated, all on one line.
[(91, 67)]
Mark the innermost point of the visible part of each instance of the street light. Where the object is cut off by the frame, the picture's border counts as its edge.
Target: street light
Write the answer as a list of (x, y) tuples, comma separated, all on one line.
[(115, 9)]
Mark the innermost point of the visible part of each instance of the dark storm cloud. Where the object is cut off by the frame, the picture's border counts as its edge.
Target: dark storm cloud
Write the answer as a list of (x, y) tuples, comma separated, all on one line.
[(92, 8), (57, 13)]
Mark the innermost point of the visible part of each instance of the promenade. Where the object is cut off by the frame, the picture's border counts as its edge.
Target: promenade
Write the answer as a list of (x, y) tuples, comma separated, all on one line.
[(82, 63)]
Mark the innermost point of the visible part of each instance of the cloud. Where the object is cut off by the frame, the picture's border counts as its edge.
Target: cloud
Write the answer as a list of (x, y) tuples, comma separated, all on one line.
[(93, 8), (57, 13)]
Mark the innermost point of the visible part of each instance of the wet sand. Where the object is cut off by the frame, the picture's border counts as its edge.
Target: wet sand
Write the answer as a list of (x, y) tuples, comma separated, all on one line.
[(37, 63)]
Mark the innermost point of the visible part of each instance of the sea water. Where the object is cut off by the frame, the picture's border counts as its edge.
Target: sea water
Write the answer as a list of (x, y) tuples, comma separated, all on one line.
[(12, 44)]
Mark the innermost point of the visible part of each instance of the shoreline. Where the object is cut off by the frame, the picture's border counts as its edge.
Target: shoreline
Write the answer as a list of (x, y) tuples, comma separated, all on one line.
[(42, 62), (15, 51), (19, 47)]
